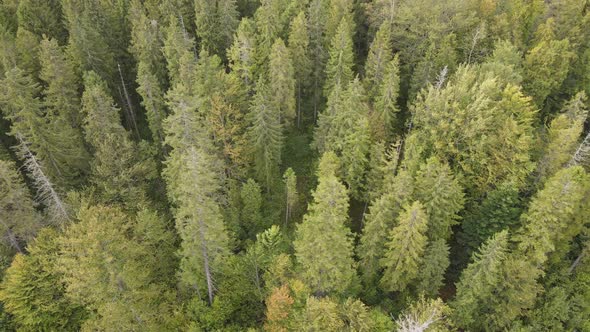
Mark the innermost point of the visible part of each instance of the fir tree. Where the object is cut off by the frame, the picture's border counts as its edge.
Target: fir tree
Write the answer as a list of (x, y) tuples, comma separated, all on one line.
[(405, 248), (323, 244)]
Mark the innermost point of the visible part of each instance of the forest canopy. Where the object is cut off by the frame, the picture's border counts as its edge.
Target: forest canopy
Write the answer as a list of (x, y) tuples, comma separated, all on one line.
[(294, 165)]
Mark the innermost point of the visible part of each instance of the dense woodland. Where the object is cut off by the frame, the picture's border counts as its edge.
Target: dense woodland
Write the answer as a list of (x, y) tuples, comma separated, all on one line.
[(294, 165)]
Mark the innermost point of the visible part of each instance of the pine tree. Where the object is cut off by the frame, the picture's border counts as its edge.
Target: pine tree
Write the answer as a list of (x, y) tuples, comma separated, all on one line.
[(339, 68), (216, 22), (405, 248), (282, 82), (291, 194), (378, 59), (19, 221), (323, 244), (194, 184), (265, 136), (33, 292), (300, 54), (443, 197)]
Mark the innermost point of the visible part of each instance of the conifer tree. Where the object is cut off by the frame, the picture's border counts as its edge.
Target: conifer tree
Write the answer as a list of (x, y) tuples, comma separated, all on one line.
[(321, 314), (443, 197), (265, 135), (51, 137), (120, 167), (547, 63), (323, 244), (474, 289), (435, 263), (344, 128), (42, 18), (194, 185), (385, 108), (562, 136), (269, 26), (19, 221), (242, 52), (382, 216), (378, 59), (553, 217), (405, 248), (291, 194), (146, 46), (111, 251), (339, 68), (216, 22), (179, 50), (300, 54), (318, 50), (251, 208), (33, 292), (282, 82), (338, 11)]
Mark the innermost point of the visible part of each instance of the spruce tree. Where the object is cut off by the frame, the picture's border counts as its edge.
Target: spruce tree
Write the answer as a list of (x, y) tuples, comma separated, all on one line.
[(435, 263), (216, 22), (18, 218), (443, 197), (251, 220), (318, 50), (339, 67), (405, 248), (265, 135), (242, 52), (378, 59), (323, 244), (282, 82), (194, 182), (300, 55), (385, 107)]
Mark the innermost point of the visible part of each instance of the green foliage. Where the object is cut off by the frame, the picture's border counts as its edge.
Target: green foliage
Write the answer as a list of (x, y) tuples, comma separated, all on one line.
[(299, 50), (291, 194), (33, 292), (436, 261), (323, 244), (282, 82), (251, 220), (339, 67), (216, 22), (386, 107), (405, 248), (378, 59)]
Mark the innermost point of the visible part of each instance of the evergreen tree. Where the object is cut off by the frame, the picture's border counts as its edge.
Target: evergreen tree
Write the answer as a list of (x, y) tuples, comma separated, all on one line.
[(121, 176), (344, 128), (323, 244), (385, 108), (300, 54), (18, 218), (318, 49), (251, 219), (282, 82), (265, 136), (378, 59), (443, 197), (194, 185), (405, 248), (242, 52), (42, 18), (474, 289), (339, 68), (546, 64), (113, 252), (291, 194), (33, 292), (216, 22), (179, 51), (338, 11), (269, 26), (435, 263), (562, 136)]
